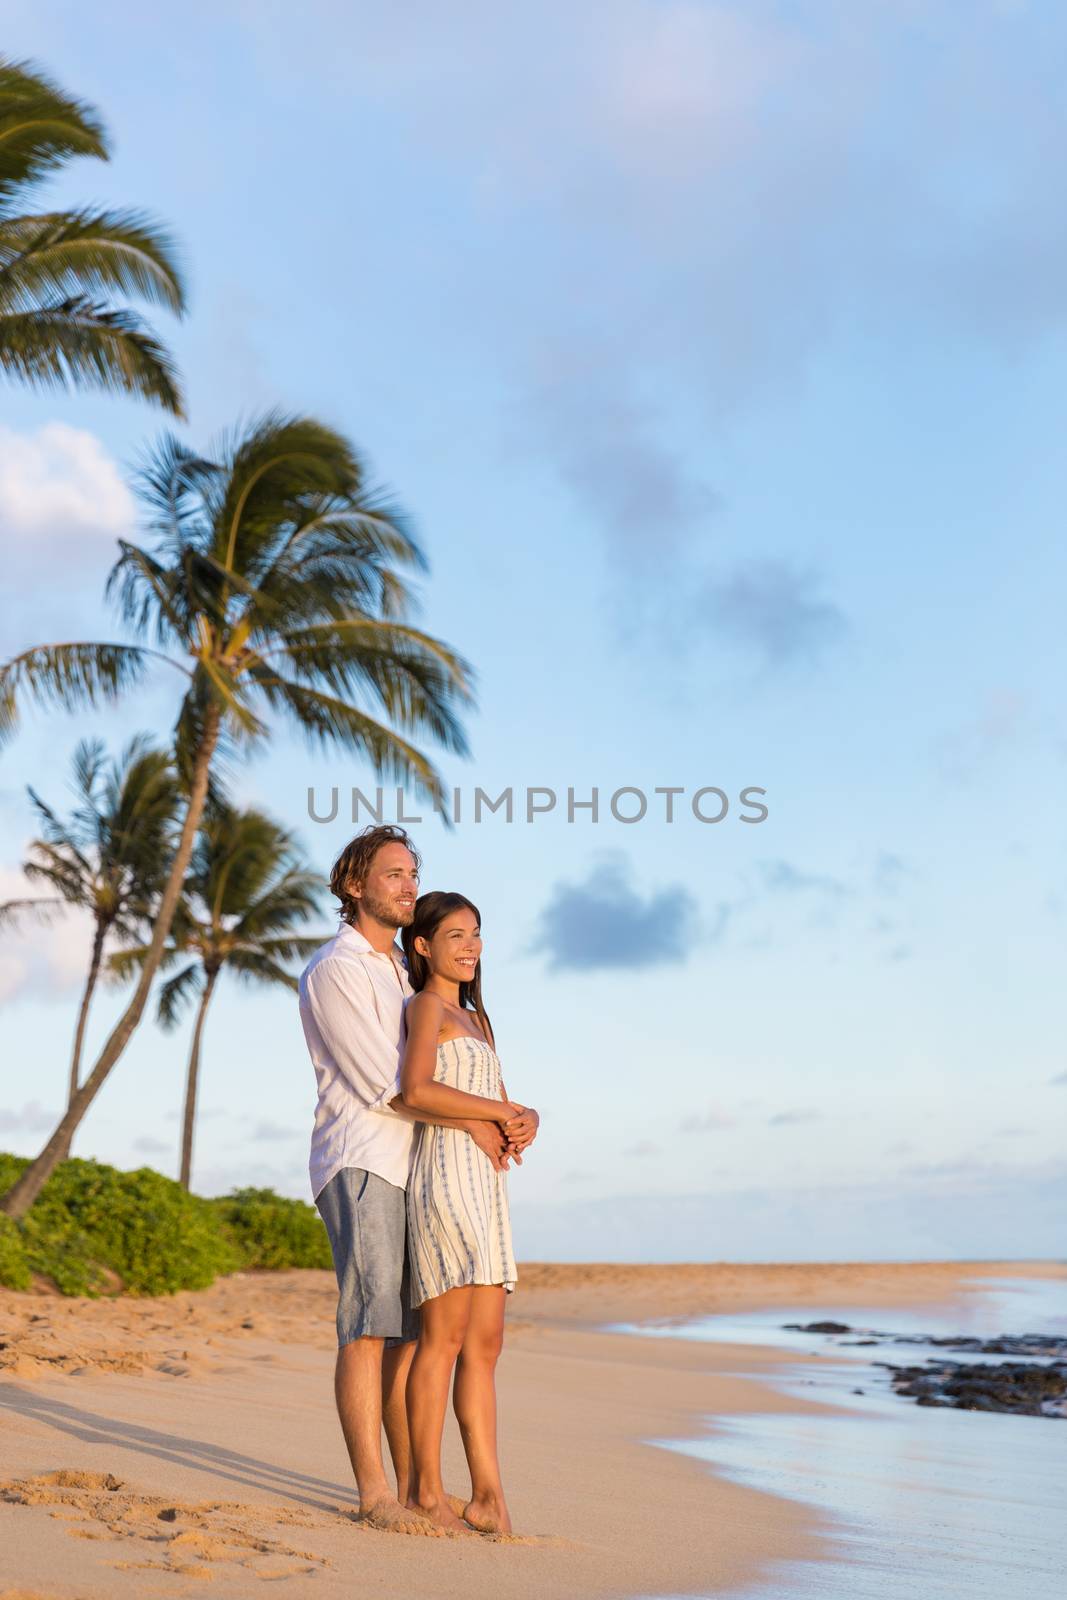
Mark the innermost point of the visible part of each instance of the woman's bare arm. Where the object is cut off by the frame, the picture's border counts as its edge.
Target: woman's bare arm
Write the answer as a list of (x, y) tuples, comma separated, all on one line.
[(419, 1092)]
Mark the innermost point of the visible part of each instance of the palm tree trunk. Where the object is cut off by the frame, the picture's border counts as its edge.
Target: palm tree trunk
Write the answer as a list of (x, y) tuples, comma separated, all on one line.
[(189, 1116), (18, 1200), (83, 1017)]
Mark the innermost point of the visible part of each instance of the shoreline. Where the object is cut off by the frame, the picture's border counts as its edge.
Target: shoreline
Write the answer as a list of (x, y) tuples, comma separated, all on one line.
[(216, 1406)]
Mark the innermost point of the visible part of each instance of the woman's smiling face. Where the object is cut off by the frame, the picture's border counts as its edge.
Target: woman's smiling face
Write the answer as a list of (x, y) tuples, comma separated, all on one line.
[(456, 947)]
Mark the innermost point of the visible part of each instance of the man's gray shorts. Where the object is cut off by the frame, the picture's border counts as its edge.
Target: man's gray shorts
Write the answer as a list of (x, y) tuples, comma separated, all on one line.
[(366, 1219)]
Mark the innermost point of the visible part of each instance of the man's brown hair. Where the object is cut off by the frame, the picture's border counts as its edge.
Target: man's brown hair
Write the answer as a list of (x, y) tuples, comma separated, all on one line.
[(355, 860)]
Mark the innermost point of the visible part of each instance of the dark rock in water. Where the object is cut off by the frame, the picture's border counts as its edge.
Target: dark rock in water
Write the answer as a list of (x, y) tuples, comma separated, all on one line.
[(817, 1327), (1040, 1346), (1024, 1388)]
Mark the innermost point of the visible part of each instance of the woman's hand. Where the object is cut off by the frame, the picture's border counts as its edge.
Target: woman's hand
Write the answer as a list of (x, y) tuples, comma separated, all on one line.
[(521, 1129)]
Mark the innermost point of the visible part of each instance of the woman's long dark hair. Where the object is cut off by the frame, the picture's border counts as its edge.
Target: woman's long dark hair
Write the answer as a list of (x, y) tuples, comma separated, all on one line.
[(430, 911)]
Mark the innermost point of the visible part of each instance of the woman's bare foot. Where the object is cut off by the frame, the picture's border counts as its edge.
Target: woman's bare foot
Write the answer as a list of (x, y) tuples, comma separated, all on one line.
[(389, 1516), (488, 1514), (441, 1514)]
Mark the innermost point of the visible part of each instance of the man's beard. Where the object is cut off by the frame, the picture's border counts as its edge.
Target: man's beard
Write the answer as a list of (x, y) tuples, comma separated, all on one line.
[(389, 914)]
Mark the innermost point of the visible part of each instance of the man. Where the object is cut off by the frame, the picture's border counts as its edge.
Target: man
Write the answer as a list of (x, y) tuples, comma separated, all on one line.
[(352, 994)]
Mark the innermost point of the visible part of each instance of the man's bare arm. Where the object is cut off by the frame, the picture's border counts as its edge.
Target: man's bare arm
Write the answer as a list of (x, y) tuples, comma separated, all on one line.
[(488, 1136)]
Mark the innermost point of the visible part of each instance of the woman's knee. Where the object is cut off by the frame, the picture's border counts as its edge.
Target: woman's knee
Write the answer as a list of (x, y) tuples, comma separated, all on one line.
[(444, 1332), (483, 1346)]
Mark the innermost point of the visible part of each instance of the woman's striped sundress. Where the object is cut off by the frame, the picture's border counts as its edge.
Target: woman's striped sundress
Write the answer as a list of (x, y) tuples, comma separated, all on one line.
[(459, 1227)]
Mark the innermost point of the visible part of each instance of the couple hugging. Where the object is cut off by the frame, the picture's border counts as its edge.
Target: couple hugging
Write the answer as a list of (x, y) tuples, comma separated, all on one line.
[(413, 1135)]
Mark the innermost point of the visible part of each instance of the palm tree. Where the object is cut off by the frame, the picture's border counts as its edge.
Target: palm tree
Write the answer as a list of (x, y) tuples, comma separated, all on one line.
[(246, 893), (58, 269), (273, 582), (108, 858)]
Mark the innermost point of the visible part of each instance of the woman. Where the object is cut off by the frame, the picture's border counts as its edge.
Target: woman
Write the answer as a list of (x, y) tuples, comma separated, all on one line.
[(459, 1230)]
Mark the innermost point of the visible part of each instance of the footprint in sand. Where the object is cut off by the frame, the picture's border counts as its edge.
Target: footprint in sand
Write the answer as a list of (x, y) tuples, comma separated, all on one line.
[(168, 1535)]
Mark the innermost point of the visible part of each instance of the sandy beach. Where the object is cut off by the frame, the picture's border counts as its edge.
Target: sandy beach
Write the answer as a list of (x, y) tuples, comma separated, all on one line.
[(161, 1446)]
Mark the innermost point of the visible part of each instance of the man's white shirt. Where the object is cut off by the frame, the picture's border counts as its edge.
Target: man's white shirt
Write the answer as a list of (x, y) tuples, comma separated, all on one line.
[(351, 1007)]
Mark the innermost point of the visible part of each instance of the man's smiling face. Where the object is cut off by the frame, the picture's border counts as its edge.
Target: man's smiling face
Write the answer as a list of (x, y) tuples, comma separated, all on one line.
[(390, 888)]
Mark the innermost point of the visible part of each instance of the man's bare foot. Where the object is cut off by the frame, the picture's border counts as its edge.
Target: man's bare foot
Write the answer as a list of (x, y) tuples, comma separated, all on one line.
[(488, 1515), (389, 1516)]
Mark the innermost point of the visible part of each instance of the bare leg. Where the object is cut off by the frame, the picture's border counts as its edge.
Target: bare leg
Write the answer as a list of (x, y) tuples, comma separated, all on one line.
[(444, 1324), (396, 1364), (358, 1391), (474, 1399)]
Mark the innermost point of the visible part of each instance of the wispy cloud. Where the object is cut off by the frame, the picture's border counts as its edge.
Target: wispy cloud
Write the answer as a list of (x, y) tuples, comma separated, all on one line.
[(790, 1119), (890, 871), (267, 1132), (781, 877), (151, 1146), (713, 1121), (643, 1148), (606, 923), (963, 754), (774, 609), (611, 453), (33, 1118)]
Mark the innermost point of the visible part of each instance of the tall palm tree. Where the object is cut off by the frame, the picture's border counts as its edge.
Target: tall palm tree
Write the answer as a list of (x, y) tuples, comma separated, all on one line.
[(109, 857), (246, 893), (59, 269), (273, 582)]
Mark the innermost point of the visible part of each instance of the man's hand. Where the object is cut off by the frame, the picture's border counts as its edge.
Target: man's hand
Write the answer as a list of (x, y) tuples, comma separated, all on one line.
[(521, 1131), (488, 1136)]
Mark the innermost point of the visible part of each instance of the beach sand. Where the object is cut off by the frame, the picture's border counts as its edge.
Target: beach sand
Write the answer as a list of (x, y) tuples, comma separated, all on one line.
[(189, 1444)]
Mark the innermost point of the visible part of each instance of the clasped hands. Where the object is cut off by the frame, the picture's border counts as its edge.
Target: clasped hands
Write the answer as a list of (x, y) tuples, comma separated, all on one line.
[(504, 1141)]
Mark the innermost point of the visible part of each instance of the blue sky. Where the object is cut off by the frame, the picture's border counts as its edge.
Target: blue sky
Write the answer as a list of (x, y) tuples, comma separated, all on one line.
[(719, 354)]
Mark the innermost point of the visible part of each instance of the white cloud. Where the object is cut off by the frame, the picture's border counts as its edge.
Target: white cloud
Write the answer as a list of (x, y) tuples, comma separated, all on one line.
[(61, 495), (41, 959), (63, 505)]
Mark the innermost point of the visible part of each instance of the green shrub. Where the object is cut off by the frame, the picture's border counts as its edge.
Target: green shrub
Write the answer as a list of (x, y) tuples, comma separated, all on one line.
[(272, 1231), (14, 1268), (93, 1224), (91, 1220)]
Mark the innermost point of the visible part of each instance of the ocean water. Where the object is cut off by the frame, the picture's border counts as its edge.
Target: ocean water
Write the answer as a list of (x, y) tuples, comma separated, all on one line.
[(922, 1503)]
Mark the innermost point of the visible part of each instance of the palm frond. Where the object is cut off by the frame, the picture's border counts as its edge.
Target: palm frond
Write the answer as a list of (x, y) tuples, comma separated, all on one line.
[(253, 966), (62, 842), (43, 910), (189, 730), (325, 720), (150, 596), (69, 874), (279, 460), (412, 676), (293, 948), (362, 532), (88, 253), (176, 993), (120, 965), (172, 481), (73, 341), (68, 675), (41, 127)]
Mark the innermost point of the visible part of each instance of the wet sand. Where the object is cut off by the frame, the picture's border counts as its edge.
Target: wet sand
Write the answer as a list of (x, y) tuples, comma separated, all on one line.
[(158, 1447)]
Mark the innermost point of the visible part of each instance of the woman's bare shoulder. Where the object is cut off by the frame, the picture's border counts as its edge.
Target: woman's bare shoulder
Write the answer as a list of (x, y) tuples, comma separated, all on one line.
[(425, 1004)]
